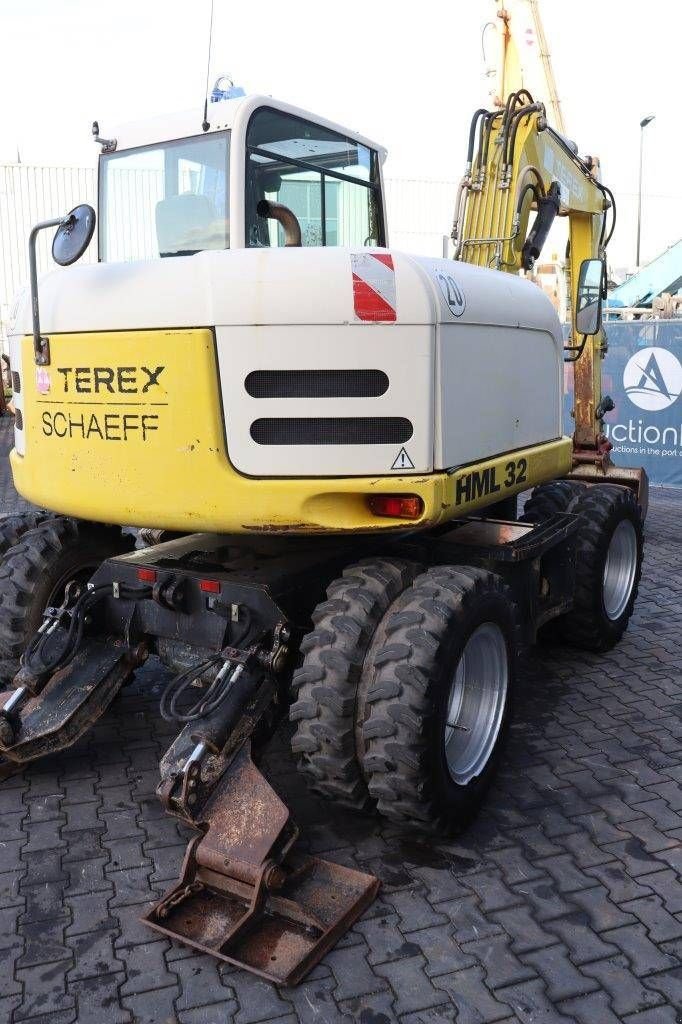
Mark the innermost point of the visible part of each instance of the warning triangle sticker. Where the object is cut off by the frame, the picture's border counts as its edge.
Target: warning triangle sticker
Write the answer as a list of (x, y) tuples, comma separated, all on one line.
[(403, 461)]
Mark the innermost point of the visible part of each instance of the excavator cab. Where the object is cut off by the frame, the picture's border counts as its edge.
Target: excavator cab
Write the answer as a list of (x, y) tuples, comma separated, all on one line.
[(187, 190)]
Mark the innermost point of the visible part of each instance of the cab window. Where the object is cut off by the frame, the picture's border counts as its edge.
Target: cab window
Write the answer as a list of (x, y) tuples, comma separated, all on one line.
[(169, 199), (331, 183)]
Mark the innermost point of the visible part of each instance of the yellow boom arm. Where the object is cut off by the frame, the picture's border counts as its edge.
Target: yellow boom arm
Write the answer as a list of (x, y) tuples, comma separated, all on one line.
[(516, 164)]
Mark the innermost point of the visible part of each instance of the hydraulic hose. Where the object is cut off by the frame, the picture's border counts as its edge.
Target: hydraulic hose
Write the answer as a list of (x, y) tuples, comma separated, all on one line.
[(517, 117), (513, 100), (528, 187), (38, 660), (486, 130), (603, 188), (472, 134), (208, 701), (216, 726)]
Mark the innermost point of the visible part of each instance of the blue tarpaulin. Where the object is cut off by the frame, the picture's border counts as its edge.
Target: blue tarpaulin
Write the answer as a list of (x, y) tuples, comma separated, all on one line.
[(642, 372)]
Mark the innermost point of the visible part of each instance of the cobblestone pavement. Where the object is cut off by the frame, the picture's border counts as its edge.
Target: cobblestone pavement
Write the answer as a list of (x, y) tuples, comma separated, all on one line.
[(561, 903)]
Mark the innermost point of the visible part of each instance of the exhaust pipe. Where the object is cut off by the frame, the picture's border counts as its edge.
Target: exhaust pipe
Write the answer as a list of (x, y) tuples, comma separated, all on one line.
[(288, 220)]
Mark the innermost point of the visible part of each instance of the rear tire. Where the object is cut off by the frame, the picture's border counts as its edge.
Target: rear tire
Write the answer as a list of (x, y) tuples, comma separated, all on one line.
[(551, 498), (12, 528), (329, 708), (35, 571), (608, 568), (548, 500), (449, 657)]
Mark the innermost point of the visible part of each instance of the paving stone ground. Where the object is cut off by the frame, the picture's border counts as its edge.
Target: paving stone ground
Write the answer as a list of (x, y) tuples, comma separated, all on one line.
[(562, 902)]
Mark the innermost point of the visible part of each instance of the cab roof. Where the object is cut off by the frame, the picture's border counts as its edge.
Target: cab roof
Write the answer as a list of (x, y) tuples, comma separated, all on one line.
[(222, 115)]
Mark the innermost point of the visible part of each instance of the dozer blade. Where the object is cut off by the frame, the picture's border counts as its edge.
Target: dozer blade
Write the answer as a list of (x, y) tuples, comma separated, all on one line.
[(243, 898), (71, 701)]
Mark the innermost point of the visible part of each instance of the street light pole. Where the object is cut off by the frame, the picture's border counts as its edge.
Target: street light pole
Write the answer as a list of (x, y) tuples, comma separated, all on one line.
[(642, 125)]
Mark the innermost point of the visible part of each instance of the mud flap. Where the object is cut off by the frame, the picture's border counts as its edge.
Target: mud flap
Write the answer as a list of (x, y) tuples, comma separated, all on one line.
[(243, 897)]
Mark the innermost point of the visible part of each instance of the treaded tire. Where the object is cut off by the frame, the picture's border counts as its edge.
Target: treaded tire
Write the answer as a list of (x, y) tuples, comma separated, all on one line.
[(549, 499), (546, 501), (149, 537), (55, 551), (426, 632), (13, 527), (329, 708), (588, 625)]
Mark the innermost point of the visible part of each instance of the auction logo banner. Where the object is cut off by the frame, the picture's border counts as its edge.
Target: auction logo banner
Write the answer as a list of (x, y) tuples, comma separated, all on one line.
[(642, 372)]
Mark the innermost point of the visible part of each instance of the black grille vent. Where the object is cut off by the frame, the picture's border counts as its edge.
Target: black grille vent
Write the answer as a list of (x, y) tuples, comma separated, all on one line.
[(18, 419), (333, 430), (316, 383), (16, 382)]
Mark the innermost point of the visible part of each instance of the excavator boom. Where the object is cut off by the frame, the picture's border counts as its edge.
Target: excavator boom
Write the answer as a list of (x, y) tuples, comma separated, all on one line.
[(519, 163)]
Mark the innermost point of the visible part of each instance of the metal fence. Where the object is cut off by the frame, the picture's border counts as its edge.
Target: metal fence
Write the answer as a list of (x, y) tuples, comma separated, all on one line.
[(419, 213), (28, 195)]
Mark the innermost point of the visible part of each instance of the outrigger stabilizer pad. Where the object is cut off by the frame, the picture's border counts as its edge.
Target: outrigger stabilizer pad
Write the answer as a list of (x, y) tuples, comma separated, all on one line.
[(243, 895)]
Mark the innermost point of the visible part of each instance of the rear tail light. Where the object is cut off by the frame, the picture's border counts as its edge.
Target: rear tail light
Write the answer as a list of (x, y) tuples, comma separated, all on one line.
[(396, 506), (146, 575), (209, 586)]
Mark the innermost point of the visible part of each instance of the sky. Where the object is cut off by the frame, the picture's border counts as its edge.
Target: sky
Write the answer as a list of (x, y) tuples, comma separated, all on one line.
[(406, 74)]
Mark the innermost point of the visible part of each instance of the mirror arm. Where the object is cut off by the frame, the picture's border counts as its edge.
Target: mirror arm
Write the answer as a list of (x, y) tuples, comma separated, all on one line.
[(41, 346), (577, 349)]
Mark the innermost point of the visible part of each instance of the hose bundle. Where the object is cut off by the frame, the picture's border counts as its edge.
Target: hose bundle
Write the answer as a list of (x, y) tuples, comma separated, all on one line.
[(209, 700), (38, 659)]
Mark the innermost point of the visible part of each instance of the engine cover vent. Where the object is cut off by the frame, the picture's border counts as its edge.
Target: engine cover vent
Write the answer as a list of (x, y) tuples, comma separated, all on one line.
[(333, 430), (316, 383)]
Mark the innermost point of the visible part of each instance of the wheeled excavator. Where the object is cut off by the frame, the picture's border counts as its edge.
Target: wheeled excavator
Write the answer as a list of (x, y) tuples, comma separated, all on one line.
[(324, 440)]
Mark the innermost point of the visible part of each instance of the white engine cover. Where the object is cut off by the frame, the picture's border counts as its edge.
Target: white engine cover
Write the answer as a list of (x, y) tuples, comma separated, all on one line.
[(473, 358)]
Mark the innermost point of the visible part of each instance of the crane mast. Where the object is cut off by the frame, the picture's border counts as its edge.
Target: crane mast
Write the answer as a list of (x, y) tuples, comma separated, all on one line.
[(523, 59)]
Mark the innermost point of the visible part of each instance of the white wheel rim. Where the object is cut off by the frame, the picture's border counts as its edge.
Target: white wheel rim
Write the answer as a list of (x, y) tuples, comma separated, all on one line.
[(620, 569), (476, 703)]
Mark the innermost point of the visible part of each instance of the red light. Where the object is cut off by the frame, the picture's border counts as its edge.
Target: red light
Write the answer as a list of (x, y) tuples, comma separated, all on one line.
[(396, 506), (209, 586), (146, 575)]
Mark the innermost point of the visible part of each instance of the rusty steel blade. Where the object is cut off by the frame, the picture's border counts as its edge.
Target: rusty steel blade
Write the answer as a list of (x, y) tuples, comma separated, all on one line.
[(244, 898)]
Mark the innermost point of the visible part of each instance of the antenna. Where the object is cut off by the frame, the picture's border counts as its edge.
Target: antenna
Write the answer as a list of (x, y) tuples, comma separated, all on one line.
[(204, 124)]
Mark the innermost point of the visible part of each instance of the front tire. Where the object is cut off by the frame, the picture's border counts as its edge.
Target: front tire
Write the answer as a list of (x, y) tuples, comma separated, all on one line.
[(608, 568), (440, 700)]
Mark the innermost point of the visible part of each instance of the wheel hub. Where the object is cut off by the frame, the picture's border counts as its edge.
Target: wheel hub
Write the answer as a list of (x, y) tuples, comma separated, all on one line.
[(620, 569), (476, 703)]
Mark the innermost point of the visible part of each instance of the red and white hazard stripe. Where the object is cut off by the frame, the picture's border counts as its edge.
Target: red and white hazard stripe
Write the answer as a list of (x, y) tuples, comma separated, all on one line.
[(374, 295)]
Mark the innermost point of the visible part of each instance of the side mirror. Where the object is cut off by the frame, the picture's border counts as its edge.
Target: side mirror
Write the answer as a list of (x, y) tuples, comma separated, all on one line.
[(73, 235), (590, 294), (70, 242)]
